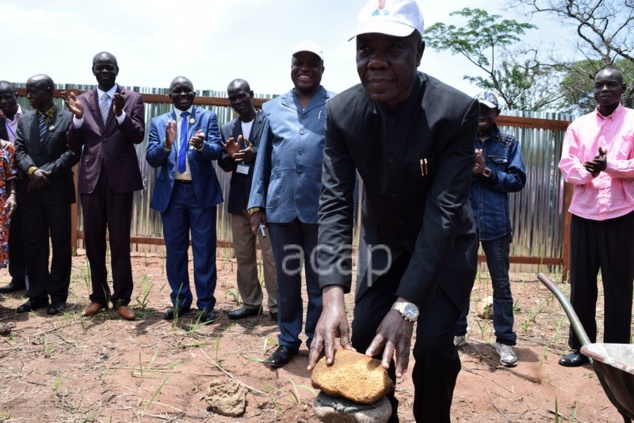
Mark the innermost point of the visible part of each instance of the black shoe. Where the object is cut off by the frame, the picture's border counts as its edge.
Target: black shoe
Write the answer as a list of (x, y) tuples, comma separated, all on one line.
[(31, 305), (171, 312), (281, 356), (206, 316), (574, 359), (14, 286), (56, 308), (245, 311), (273, 315)]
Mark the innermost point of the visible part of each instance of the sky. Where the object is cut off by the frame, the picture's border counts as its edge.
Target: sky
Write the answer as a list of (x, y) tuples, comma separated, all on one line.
[(211, 42)]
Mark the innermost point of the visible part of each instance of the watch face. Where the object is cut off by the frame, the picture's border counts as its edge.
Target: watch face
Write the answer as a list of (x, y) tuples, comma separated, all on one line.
[(410, 311)]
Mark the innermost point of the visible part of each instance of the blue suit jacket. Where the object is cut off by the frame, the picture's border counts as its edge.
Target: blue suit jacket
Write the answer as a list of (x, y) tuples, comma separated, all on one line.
[(287, 173), (204, 180)]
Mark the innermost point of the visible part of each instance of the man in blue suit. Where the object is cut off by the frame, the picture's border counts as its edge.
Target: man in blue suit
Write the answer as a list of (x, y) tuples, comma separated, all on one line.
[(182, 144), (285, 193)]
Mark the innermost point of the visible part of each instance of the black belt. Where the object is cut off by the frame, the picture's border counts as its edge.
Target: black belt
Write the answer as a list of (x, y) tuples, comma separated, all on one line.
[(183, 181)]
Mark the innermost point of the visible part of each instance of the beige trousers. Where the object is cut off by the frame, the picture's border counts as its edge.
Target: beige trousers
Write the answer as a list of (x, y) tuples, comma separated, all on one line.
[(246, 257)]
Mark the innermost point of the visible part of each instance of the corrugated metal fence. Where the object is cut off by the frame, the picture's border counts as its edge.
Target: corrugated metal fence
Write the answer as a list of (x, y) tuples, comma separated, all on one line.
[(536, 212)]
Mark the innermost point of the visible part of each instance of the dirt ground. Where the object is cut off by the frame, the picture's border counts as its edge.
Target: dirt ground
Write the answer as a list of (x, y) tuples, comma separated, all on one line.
[(67, 368)]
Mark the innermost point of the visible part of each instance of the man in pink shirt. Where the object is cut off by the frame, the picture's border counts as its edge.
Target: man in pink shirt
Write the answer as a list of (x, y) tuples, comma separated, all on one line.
[(598, 159)]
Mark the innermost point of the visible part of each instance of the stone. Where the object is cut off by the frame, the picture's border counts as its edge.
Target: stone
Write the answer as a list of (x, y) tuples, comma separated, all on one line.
[(352, 376), (484, 308), (340, 410), (227, 397), (5, 328)]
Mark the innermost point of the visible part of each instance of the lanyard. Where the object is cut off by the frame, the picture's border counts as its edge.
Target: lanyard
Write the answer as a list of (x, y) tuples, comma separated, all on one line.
[(6, 123)]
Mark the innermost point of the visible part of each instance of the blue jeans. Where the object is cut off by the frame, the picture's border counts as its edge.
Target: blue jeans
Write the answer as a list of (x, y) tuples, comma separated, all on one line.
[(497, 254)]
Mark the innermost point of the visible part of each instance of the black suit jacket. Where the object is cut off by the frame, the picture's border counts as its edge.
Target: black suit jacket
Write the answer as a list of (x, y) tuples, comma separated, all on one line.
[(52, 154), (240, 185), (410, 207)]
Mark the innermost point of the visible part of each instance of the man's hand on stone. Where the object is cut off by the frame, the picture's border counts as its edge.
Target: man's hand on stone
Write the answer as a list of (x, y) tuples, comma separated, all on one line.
[(332, 324)]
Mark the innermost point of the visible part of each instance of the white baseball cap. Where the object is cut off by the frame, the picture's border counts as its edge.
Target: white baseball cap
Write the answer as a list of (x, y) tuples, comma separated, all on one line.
[(310, 46), (397, 17)]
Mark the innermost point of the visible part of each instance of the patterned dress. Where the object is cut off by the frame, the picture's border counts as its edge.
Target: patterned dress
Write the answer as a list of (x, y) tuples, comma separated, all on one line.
[(7, 170)]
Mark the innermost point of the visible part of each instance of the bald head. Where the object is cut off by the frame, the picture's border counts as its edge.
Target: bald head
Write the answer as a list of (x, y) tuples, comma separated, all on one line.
[(239, 84), (241, 99), (104, 55), (608, 89), (181, 80), (105, 69), (8, 99), (39, 92), (182, 93)]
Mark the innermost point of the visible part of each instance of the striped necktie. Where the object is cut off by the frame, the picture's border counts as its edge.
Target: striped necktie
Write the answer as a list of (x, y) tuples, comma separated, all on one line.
[(104, 107), (42, 125)]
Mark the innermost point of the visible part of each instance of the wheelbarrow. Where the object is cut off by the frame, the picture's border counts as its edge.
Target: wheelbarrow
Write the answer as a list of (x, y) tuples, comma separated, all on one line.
[(612, 363)]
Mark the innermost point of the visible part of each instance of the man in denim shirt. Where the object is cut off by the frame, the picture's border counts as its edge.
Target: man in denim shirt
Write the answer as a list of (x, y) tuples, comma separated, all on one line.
[(498, 170)]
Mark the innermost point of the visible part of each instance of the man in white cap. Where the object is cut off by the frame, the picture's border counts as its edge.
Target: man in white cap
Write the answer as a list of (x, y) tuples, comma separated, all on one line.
[(410, 138), (285, 193)]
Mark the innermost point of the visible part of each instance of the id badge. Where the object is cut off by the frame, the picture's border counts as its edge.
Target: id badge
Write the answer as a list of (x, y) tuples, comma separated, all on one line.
[(243, 169)]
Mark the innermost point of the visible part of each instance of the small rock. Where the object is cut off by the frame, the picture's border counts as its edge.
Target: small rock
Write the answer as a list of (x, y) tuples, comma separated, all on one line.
[(227, 397), (340, 410), (352, 376), (5, 328), (484, 308)]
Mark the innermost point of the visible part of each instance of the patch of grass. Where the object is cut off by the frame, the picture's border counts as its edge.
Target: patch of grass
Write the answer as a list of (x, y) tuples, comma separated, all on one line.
[(48, 348), (146, 285), (158, 391), (234, 294)]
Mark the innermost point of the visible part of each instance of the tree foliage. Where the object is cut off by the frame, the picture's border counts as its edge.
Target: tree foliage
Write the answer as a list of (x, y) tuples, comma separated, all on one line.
[(603, 26), (606, 38), (578, 80), (486, 41)]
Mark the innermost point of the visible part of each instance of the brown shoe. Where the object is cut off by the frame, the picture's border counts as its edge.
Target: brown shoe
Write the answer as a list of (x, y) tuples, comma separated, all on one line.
[(92, 309), (126, 312)]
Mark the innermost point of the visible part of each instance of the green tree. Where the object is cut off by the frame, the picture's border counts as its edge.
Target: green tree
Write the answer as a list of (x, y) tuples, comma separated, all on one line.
[(578, 80), (605, 38), (486, 41)]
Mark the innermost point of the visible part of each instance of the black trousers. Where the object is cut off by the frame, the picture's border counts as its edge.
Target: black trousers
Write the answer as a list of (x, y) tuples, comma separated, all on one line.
[(42, 219), (436, 359), (607, 245), (105, 209)]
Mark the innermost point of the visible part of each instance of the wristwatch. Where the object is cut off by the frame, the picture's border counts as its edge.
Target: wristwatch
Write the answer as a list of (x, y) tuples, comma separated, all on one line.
[(486, 172), (253, 210), (409, 311)]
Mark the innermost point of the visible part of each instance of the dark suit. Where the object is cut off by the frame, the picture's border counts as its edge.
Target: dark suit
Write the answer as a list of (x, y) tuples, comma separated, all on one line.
[(17, 262), (108, 175), (47, 210), (240, 186), (188, 206), (243, 239), (418, 234)]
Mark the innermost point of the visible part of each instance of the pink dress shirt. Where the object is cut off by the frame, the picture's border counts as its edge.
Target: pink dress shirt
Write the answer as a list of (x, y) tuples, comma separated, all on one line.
[(611, 194)]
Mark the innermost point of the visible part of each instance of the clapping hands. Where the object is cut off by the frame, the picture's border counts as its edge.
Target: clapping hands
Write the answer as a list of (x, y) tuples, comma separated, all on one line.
[(598, 164)]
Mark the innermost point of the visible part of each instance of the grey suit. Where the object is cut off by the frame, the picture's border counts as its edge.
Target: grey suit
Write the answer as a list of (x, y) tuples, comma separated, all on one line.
[(47, 210)]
